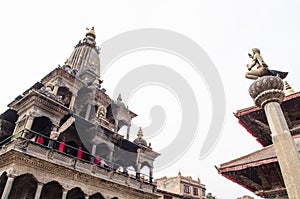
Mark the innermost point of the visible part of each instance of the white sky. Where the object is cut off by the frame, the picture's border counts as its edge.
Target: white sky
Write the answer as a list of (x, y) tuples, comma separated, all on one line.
[(36, 36)]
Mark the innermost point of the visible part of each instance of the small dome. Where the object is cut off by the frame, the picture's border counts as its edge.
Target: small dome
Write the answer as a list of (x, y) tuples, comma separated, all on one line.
[(140, 140)]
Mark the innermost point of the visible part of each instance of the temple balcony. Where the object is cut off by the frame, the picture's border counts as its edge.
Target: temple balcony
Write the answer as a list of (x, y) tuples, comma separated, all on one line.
[(35, 145)]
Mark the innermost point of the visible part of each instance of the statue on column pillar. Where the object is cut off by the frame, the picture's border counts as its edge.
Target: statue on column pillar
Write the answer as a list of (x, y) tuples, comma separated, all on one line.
[(262, 68), (267, 93)]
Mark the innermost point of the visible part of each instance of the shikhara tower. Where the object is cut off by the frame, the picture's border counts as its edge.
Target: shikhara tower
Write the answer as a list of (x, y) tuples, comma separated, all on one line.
[(86, 157)]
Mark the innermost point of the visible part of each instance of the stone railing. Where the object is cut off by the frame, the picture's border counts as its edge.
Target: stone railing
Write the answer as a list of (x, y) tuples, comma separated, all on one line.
[(30, 147)]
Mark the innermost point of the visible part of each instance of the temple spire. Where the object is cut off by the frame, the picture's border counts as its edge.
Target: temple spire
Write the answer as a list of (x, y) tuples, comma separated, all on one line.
[(288, 89), (85, 58)]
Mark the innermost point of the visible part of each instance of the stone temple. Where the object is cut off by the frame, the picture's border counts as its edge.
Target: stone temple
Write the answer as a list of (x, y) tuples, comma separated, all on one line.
[(61, 138)]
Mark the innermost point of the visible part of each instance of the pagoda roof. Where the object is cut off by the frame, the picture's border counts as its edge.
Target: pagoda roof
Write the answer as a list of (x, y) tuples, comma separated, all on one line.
[(258, 172), (257, 158), (254, 120)]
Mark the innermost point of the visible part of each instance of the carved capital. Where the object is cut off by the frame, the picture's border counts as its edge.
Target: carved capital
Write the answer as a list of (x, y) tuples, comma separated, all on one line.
[(267, 89)]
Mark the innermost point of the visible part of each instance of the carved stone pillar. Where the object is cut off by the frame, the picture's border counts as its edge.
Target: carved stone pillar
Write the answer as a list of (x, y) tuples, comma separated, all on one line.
[(128, 132), (38, 190), (138, 171), (72, 102), (110, 157), (64, 195), (116, 125), (93, 153), (8, 186), (94, 147), (55, 90), (86, 196), (151, 175), (267, 93), (88, 111), (29, 122)]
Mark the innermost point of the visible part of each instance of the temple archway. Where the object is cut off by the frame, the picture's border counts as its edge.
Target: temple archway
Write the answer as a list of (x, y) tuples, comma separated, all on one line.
[(65, 94), (75, 193), (97, 196), (3, 180), (51, 190), (24, 186), (102, 151)]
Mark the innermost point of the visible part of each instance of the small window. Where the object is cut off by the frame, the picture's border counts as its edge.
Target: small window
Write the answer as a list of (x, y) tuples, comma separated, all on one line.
[(167, 197), (195, 191), (186, 189)]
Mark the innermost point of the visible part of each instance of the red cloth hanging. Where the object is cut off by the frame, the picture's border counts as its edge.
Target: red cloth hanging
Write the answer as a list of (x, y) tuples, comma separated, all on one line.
[(61, 146), (79, 153), (96, 160), (39, 140)]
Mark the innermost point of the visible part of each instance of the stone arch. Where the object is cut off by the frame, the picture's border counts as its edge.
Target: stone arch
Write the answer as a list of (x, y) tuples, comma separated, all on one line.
[(97, 196), (23, 186), (75, 193), (42, 125), (146, 164), (51, 190), (3, 180), (145, 171), (65, 94), (103, 150)]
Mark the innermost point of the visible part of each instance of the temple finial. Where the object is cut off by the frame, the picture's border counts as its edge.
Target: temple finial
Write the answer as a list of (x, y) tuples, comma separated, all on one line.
[(119, 99), (288, 89), (91, 32), (67, 63), (140, 133)]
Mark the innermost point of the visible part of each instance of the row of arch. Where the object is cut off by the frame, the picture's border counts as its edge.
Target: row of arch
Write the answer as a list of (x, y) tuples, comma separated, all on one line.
[(43, 125), (26, 186)]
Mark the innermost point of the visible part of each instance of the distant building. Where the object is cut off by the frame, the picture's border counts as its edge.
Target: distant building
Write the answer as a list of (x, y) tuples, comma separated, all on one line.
[(180, 187)]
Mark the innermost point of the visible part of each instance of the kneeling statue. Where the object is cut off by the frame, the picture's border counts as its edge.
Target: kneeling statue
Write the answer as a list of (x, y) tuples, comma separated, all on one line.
[(261, 67)]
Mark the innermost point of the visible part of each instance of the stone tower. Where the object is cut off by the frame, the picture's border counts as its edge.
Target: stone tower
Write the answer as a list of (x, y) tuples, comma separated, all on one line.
[(60, 138)]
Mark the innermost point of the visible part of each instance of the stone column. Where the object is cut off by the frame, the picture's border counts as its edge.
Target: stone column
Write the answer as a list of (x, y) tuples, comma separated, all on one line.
[(116, 125), (88, 111), (138, 171), (29, 122), (267, 93), (72, 102), (128, 132), (138, 165), (8, 186), (151, 175), (94, 147), (38, 190), (93, 153), (64, 195), (86, 196), (55, 90)]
